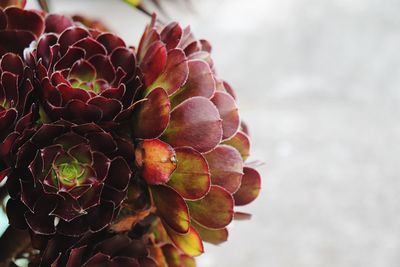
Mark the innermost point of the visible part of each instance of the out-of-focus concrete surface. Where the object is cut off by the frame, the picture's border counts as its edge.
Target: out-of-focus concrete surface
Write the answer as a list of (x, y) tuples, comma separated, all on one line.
[(319, 85)]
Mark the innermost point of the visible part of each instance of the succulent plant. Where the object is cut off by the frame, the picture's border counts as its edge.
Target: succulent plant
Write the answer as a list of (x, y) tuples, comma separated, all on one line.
[(116, 155), (15, 105), (18, 27), (103, 248), (190, 149), (67, 180), (84, 75)]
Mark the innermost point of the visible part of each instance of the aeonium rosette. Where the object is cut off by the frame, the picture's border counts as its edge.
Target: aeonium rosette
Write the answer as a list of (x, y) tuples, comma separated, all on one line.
[(96, 136), (18, 27), (103, 248), (190, 146), (67, 180), (83, 75)]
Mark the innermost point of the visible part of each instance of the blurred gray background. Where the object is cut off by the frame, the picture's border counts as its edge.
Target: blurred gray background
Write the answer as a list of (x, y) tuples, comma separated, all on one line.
[(318, 83)]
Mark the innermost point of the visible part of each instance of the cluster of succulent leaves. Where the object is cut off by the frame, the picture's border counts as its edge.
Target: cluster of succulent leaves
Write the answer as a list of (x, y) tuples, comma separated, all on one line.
[(115, 155)]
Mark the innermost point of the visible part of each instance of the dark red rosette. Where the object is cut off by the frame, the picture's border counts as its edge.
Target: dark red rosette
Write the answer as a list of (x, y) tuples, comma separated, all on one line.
[(190, 148), (104, 248), (15, 104), (83, 75), (68, 180), (96, 136), (18, 27)]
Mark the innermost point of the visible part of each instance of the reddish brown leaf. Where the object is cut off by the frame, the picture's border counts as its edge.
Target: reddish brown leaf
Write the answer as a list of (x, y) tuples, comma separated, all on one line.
[(152, 115), (171, 255), (241, 216), (213, 236), (200, 82), (188, 261), (156, 161), (226, 167), (215, 210), (191, 178), (190, 243), (171, 208), (250, 188), (229, 112), (196, 123), (174, 75), (241, 142)]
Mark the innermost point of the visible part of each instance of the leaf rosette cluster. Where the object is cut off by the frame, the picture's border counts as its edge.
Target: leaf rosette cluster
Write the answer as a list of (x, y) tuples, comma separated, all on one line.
[(116, 155)]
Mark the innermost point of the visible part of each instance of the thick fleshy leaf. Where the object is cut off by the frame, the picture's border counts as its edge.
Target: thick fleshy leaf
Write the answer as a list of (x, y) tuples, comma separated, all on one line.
[(110, 41), (202, 55), (241, 142), (71, 36), (156, 159), (200, 82), (109, 107), (12, 63), (190, 243), (196, 123), (250, 187), (57, 23), (174, 75), (213, 236), (171, 207), (171, 255), (229, 112), (191, 179), (119, 174), (171, 35), (152, 115), (15, 41), (154, 62), (188, 261), (226, 167), (25, 20), (81, 112), (72, 55), (91, 47), (83, 71), (215, 210), (128, 221), (241, 216), (104, 68)]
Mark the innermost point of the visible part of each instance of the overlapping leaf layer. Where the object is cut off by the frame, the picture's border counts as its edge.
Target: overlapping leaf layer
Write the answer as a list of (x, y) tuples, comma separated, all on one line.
[(114, 155)]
